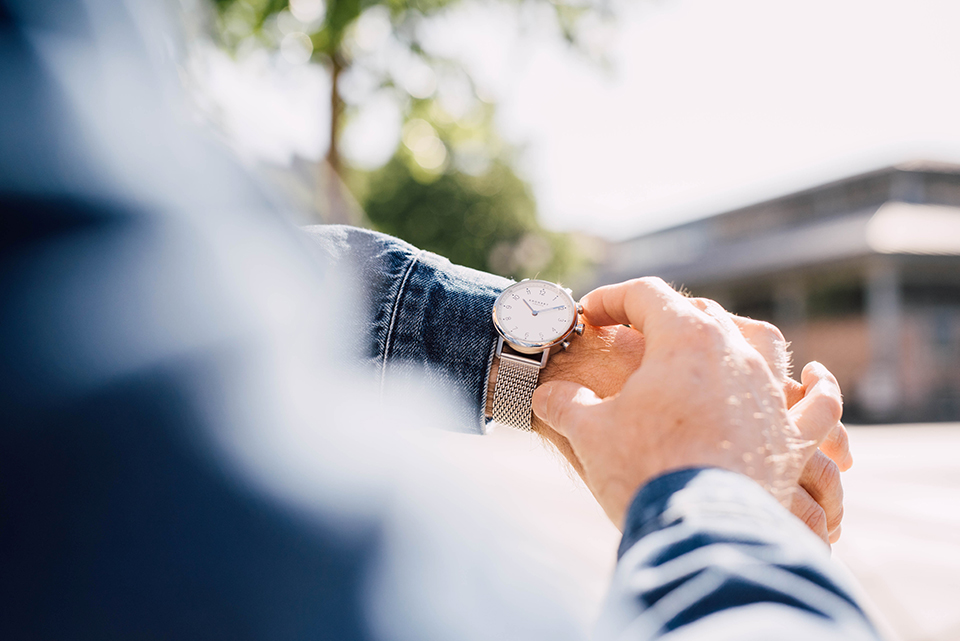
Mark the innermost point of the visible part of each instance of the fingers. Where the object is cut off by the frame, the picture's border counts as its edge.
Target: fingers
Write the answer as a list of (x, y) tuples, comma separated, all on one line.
[(821, 480), (819, 411), (649, 305), (835, 535), (767, 339), (562, 406), (837, 447), (793, 391), (716, 310), (764, 337), (836, 443), (805, 508)]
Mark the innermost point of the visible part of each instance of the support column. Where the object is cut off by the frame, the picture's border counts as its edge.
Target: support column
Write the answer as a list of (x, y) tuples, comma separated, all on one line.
[(880, 390)]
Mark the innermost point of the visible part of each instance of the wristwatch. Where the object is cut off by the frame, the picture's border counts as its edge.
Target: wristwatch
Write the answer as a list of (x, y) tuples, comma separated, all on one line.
[(532, 317)]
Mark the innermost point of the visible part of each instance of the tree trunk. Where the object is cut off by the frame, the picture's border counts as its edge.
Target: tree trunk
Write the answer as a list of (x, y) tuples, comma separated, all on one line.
[(336, 113), (333, 202)]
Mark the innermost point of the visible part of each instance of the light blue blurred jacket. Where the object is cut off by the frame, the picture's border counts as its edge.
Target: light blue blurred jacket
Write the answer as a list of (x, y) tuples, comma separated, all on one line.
[(190, 447)]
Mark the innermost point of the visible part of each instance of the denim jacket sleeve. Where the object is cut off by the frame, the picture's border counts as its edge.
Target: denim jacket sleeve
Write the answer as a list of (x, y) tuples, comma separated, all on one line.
[(421, 314), (707, 553)]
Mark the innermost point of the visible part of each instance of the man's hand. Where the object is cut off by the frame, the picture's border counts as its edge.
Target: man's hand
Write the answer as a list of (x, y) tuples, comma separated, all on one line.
[(703, 396), (818, 499), (602, 358)]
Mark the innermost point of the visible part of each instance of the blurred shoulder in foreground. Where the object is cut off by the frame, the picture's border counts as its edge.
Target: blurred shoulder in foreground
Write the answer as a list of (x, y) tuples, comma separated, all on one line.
[(184, 455)]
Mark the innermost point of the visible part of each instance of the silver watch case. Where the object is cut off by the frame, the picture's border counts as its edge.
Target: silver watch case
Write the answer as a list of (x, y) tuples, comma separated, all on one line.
[(537, 347)]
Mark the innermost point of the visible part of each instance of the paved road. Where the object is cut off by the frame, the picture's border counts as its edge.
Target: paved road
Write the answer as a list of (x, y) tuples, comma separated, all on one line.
[(901, 533)]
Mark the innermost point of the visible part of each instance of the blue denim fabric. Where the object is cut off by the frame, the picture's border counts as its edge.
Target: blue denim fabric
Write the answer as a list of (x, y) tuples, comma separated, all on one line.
[(422, 315), (132, 345)]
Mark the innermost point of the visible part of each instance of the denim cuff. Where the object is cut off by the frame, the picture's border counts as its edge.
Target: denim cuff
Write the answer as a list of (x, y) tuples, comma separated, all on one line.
[(443, 328), (422, 318)]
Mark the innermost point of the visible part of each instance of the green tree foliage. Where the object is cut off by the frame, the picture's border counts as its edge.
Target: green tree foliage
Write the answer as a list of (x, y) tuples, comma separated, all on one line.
[(450, 187), (471, 208), (486, 222)]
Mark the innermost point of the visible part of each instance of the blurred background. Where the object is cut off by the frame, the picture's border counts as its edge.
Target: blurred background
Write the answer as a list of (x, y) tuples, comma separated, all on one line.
[(797, 160)]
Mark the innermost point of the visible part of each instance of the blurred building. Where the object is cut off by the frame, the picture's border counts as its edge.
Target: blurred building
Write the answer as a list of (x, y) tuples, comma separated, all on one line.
[(862, 274)]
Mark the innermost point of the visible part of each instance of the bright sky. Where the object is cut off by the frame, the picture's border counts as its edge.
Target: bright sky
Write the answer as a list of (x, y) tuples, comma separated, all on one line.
[(708, 103)]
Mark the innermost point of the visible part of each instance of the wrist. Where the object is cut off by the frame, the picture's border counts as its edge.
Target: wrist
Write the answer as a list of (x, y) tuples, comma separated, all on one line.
[(601, 358), (571, 364), (491, 385)]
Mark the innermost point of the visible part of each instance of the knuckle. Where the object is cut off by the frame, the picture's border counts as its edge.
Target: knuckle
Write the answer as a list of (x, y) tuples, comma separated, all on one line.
[(713, 306), (702, 335), (820, 373), (828, 479), (833, 406), (816, 518), (828, 403), (708, 330), (756, 361), (818, 521), (640, 289), (773, 332), (651, 281), (768, 331), (835, 518), (810, 512), (827, 375), (837, 439)]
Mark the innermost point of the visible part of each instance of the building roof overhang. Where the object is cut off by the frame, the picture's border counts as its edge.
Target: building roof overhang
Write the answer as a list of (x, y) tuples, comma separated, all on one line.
[(907, 228), (689, 254)]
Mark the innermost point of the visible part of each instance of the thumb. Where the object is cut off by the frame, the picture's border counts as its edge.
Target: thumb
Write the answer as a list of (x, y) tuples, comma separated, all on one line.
[(562, 405)]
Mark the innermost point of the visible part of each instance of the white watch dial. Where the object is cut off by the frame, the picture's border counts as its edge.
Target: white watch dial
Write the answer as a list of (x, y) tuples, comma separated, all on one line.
[(534, 313)]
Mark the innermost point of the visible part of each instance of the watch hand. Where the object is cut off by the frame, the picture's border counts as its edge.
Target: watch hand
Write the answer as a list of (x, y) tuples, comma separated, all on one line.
[(549, 309), (528, 305)]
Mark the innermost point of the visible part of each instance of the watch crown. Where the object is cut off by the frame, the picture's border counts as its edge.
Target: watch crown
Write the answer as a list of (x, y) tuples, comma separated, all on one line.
[(579, 308), (565, 345), (579, 329)]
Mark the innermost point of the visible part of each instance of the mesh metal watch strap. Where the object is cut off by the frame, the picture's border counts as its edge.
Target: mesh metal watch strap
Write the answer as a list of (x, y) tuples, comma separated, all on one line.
[(513, 393)]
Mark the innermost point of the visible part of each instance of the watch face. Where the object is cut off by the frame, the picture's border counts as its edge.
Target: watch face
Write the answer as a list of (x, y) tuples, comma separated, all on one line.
[(534, 313)]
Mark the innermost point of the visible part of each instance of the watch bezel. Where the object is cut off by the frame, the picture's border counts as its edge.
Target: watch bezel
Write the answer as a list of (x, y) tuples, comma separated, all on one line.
[(535, 347)]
